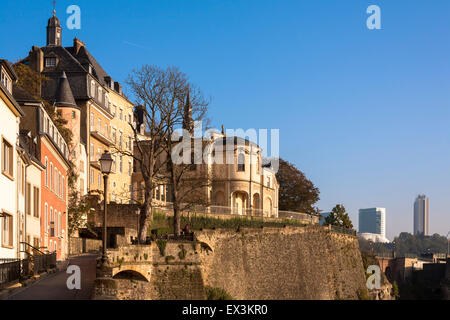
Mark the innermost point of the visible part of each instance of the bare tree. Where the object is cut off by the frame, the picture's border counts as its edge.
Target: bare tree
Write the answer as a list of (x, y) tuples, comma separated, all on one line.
[(161, 93), (185, 159)]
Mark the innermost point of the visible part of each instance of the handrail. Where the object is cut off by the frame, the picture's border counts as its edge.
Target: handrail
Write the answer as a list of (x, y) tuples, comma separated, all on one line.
[(34, 248)]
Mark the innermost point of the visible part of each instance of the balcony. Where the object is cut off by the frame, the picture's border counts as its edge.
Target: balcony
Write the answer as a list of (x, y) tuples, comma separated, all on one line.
[(100, 136)]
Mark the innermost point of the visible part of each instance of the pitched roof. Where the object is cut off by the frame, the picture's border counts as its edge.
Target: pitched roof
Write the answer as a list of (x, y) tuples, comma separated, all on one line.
[(84, 56), (64, 96)]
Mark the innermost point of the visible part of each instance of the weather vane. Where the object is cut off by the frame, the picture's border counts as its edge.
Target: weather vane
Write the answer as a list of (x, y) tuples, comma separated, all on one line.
[(54, 7)]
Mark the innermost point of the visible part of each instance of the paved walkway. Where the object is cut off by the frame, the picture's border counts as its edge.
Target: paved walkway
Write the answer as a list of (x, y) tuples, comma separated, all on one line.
[(54, 287)]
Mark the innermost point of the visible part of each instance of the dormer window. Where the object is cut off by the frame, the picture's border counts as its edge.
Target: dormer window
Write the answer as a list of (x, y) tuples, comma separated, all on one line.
[(6, 81), (50, 62)]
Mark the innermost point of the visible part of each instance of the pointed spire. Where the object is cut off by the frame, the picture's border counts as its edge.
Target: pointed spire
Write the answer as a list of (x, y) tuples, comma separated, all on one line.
[(64, 96), (187, 121)]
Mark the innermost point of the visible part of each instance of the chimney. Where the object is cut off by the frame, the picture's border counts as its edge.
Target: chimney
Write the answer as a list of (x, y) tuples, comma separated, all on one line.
[(118, 87), (77, 44), (36, 59)]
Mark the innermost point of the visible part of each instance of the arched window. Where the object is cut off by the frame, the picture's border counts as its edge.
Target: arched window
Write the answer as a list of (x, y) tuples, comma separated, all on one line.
[(241, 162)]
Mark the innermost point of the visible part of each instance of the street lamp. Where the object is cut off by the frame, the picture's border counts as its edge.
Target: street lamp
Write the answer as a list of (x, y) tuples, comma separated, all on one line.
[(105, 165)]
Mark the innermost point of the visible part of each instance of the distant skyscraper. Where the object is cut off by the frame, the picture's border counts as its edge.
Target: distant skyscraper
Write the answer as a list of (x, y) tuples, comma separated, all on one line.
[(421, 215), (373, 220)]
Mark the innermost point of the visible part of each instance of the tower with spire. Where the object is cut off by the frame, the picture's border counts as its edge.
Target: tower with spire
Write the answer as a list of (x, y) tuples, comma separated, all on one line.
[(54, 31), (188, 123)]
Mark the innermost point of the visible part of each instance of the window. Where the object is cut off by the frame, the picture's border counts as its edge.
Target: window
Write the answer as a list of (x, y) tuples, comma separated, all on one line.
[(59, 185), (74, 115), (59, 224), (120, 140), (99, 179), (114, 134), (99, 93), (28, 199), (46, 171), (51, 176), (6, 81), (50, 62), (63, 194), (130, 168), (99, 125), (114, 168), (7, 159), (36, 202), (130, 143), (46, 218), (92, 89), (241, 162), (92, 176), (82, 187), (56, 181), (7, 230), (120, 164), (121, 114), (52, 223), (91, 121), (91, 152)]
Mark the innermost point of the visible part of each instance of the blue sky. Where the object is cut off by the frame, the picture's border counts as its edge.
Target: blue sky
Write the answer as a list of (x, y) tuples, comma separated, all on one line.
[(364, 113)]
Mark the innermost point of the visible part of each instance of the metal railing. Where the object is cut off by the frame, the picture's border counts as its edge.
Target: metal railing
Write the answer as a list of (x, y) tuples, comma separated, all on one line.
[(12, 270)]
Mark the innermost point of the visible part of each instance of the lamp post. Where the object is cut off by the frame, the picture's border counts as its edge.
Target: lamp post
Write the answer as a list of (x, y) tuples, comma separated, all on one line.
[(105, 165)]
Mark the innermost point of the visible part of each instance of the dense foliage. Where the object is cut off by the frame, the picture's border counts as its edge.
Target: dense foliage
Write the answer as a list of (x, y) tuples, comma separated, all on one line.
[(296, 193), (339, 217), (408, 244)]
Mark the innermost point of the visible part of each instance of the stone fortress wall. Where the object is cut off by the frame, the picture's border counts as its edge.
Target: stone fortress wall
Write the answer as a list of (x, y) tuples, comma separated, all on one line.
[(299, 263)]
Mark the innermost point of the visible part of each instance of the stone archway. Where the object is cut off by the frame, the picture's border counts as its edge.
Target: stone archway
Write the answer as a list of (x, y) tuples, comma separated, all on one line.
[(267, 207), (130, 275), (256, 200), (240, 200)]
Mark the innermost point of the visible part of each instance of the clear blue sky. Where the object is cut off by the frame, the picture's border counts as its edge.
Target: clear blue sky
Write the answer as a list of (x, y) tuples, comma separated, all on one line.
[(365, 114)]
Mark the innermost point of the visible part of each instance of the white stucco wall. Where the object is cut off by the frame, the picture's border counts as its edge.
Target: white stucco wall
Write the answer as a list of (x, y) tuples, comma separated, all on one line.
[(9, 129)]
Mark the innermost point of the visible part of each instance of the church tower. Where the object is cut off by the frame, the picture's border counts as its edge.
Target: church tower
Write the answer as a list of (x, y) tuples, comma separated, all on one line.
[(188, 123), (54, 31)]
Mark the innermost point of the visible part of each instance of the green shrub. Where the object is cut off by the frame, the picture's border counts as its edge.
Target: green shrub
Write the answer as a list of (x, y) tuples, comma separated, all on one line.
[(217, 294), (162, 246)]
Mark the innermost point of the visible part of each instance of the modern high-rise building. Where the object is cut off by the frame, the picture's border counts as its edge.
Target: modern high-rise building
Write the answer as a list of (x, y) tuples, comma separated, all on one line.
[(421, 215), (373, 220)]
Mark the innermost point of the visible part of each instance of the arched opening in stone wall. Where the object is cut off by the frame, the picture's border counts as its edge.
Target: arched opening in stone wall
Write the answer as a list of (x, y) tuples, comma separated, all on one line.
[(239, 202), (256, 204), (130, 275)]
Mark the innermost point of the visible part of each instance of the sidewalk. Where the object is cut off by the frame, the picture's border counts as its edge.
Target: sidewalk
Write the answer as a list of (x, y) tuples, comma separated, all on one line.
[(53, 286)]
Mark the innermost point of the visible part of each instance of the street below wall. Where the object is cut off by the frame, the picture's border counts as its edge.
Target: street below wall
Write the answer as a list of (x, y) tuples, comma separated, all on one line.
[(55, 288)]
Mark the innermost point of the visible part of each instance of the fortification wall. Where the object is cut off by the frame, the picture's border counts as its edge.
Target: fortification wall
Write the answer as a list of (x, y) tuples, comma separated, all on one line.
[(283, 263), (271, 263)]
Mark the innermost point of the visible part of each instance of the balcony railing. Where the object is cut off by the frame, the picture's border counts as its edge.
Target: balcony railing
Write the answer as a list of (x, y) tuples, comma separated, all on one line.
[(106, 139)]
